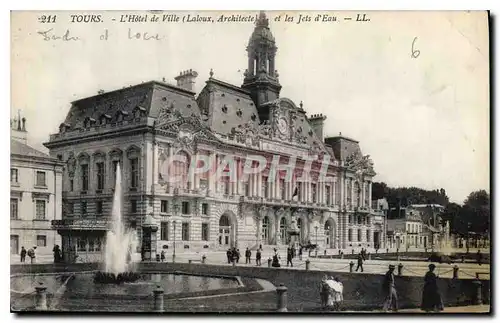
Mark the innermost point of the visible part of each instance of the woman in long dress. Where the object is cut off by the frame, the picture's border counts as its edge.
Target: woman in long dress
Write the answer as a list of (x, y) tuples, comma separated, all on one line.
[(431, 298)]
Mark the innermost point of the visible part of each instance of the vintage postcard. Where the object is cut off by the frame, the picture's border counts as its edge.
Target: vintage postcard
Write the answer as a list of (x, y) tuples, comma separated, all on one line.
[(250, 161)]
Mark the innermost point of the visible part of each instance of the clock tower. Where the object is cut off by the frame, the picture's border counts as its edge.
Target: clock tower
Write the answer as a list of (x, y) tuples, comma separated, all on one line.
[(261, 78)]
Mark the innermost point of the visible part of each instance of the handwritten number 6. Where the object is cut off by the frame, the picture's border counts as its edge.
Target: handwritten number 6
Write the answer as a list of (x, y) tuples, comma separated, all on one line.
[(414, 52)]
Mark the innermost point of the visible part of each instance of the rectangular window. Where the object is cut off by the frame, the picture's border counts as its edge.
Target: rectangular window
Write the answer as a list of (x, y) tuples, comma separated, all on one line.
[(91, 244), (328, 195), (40, 179), (349, 235), (40, 209), (164, 206), (41, 241), (134, 172), (282, 188), (313, 192), (204, 208), (185, 207), (85, 177), (247, 188), (133, 206), (83, 207), (359, 219), (185, 231), (265, 187), (204, 231), (100, 175), (164, 231), (71, 185), (81, 244), (70, 208), (98, 207), (359, 235), (368, 220), (367, 235), (13, 175), (13, 209)]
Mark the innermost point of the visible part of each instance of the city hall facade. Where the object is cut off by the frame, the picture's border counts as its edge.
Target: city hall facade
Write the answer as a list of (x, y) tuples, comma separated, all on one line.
[(142, 127)]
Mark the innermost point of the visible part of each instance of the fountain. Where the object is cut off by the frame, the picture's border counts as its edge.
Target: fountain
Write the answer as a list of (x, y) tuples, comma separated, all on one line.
[(444, 253), (120, 244)]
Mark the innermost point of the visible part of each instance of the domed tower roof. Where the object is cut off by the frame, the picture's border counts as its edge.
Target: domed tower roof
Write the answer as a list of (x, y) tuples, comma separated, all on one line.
[(261, 33)]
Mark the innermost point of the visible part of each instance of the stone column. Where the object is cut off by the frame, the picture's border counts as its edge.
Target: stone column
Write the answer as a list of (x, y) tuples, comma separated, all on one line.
[(370, 194), (342, 191), (353, 193), (277, 194), (170, 164), (156, 161), (259, 184), (333, 191)]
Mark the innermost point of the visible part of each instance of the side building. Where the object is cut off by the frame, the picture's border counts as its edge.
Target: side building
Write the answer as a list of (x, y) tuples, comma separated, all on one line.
[(157, 131), (35, 196)]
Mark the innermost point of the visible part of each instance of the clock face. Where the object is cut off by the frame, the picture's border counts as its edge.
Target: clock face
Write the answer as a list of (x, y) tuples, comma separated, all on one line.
[(282, 125)]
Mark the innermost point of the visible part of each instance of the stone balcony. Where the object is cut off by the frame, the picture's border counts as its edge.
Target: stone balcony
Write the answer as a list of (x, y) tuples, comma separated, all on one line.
[(101, 224)]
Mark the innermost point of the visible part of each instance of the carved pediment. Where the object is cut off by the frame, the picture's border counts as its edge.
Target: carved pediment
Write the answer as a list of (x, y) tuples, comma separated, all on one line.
[(360, 164)]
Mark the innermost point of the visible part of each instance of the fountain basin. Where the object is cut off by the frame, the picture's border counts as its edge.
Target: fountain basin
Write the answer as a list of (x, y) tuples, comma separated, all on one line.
[(111, 278)]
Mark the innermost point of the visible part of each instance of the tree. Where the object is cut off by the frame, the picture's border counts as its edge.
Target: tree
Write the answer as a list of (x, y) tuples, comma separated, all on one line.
[(477, 212)]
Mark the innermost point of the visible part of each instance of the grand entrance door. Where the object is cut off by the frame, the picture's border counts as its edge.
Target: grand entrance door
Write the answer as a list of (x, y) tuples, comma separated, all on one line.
[(376, 239), (224, 231)]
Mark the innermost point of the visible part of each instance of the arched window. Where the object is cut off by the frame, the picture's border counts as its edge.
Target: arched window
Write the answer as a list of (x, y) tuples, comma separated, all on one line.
[(265, 229), (283, 230), (224, 221), (328, 234), (180, 170)]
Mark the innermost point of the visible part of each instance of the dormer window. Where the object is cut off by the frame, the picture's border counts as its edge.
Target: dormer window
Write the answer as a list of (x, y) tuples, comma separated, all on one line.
[(239, 113), (120, 115), (63, 127), (104, 119), (139, 112), (254, 117), (88, 122), (224, 109)]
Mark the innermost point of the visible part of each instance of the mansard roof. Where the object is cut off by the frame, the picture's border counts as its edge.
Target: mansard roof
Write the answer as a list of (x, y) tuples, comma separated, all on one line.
[(227, 106), (147, 97), (343, 146)]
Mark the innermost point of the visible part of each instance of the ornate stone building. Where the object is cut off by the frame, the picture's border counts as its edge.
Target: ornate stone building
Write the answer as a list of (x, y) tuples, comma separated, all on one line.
[(144, 126)]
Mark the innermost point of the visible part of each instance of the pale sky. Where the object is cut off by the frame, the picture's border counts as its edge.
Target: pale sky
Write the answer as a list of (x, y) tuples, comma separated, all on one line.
[(424, 121)]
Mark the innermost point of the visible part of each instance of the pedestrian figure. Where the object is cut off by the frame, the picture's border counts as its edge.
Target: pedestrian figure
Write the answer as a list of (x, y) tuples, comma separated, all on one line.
[(57, 254), (479, 257), (32, 255), (23, 254), (289, 257), (162, 255), (389, 288), (362, 253), (248, 255), (276, 259), (229, 255), (258, 257), (324, 291), (237, 255), (431, 298), (300, 253), (338, 294), (360, 262)]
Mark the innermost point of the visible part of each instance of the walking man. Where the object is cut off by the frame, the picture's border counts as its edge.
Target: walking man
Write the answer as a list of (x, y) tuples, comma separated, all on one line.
[(391, 297), (360, 262), (23, 254), (289, 256), (162, 255), (248, 255), (258, 257), (229, 255)]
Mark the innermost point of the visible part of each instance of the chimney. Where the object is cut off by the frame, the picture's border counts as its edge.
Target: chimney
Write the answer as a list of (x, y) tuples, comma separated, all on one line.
[(186, 79), (24, 123), (18, 129), (316, 121)]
